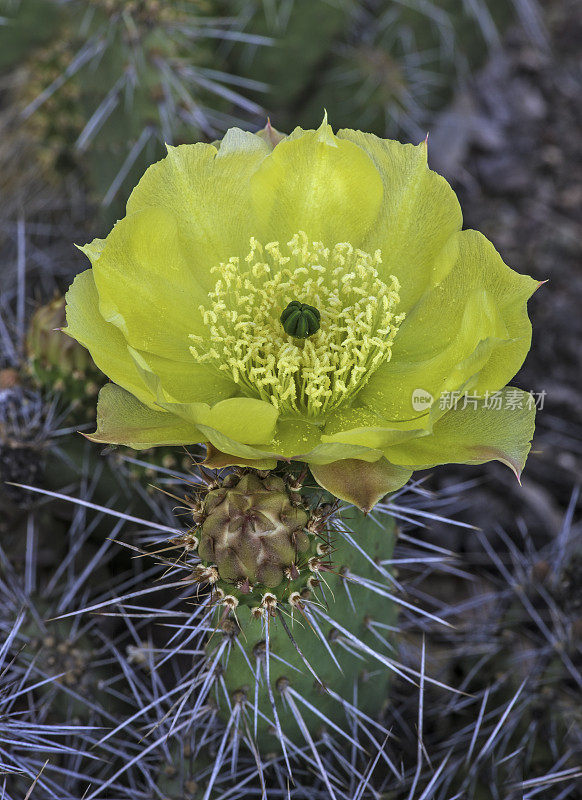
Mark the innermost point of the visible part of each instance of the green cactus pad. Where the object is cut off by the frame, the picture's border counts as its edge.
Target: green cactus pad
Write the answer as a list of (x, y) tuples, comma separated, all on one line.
[(352, 606)]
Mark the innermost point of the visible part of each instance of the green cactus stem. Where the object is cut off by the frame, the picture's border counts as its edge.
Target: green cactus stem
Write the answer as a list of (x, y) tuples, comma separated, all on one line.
[(292, 579), (349, 605)]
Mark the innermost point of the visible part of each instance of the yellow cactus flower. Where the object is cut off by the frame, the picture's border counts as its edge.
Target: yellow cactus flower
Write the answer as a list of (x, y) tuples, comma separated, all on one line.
[(309, 297)]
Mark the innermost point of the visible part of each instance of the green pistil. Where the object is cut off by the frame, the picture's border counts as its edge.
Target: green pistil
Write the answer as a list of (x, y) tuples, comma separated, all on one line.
[(300, 320)]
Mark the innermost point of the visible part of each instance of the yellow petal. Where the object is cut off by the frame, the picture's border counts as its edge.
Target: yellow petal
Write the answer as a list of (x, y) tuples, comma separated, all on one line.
[(314, 182), (362, 426), (497, 429), (122, 419), (470, 331), (183, 381), (148, 285), (245, 419), (92, 249), (299, 440), (240, 420), (207, 192), (419, 213), (104, 341), (294, 438)]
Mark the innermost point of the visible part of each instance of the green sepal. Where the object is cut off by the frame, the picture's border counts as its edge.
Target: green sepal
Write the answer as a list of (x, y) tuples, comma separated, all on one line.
[(362, 483)]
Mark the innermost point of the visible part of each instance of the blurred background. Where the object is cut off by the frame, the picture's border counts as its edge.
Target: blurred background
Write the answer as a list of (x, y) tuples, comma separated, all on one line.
[(89, 92), (91, 89)]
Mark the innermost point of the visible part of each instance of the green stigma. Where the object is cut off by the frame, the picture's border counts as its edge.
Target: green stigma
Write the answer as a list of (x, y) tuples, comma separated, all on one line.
[(300, 320)]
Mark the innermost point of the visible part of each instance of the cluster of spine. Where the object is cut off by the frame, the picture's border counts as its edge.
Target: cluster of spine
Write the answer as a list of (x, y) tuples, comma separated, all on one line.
[(188, 697), (514, 653), (387, 65), (117, 80), (62, 117), (55, 674), (538, 628)]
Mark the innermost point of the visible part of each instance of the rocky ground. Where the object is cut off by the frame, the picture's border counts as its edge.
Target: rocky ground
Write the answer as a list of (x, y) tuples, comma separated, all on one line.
[(512, 146)]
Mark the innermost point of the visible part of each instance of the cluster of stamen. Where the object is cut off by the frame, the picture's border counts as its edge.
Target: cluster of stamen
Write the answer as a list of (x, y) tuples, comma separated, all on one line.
[(247, 341)]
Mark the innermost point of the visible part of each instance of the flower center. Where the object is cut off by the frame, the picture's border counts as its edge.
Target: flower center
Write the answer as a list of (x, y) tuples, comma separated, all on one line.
[(312, 376)]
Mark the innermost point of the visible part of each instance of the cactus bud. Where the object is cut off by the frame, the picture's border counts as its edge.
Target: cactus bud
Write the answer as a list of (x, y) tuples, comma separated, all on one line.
[(252, 532), (58, 362), (255, 544)]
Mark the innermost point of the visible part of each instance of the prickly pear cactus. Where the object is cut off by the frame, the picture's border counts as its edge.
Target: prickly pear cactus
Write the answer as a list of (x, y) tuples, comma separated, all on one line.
[(289, 577), (388, 65), (66, 658), (336, 670), (119, 79)]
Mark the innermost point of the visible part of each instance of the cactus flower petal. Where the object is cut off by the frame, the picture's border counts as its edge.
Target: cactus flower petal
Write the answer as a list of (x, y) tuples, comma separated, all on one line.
[(420, 212), (499, 430), (240, 419), (186, 307), (108, 348), (469, 332), (310, 182), (122, 419)]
